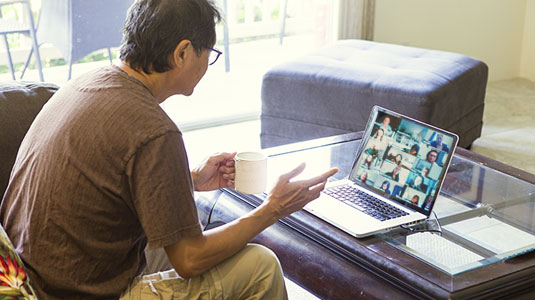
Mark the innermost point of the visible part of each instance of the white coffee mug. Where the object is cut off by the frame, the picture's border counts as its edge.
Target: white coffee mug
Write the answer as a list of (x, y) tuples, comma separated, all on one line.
[(251, 172)]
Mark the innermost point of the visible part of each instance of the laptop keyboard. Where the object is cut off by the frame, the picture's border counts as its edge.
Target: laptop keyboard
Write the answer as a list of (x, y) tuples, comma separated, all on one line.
[(365, 202)]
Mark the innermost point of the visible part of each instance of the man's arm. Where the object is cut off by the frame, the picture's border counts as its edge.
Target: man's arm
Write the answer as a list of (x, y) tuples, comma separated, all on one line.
[(194, 255)]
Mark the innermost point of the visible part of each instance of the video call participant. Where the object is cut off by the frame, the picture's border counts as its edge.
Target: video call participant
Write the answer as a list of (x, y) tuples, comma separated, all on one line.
[(418, 183), (363, 177), (438, 144), (386, 187), (425, 171), (432, 156), (398, 159), (385, 125), (380, 140), (394, 174), (414, 150), (415, 199)]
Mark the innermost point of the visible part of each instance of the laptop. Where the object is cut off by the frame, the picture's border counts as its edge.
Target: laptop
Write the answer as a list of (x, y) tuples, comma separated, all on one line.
[(395, 178)]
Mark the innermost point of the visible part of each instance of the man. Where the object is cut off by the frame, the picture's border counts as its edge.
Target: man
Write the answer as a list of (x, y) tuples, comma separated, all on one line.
[(439, 145), (432, 165), (432, 156), (103, 171)]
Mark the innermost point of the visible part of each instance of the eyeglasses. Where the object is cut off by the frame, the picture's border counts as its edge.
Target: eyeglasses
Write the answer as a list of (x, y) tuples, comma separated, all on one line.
[(214, 55)]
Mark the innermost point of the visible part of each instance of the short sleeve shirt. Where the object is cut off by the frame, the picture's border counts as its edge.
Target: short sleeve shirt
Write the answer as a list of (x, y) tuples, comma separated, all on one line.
[(101, 172)]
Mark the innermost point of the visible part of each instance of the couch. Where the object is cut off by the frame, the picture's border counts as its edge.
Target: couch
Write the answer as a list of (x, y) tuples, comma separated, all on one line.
[(19, 104)]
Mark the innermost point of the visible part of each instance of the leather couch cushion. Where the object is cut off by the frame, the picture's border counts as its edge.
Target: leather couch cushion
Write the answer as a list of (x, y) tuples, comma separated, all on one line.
[(19, 104)]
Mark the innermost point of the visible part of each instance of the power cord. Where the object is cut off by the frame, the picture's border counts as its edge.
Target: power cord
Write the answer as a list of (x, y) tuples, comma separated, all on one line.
[(414, 230)]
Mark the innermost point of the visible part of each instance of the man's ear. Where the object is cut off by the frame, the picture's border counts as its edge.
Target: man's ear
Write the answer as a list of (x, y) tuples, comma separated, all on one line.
[(181, 53)]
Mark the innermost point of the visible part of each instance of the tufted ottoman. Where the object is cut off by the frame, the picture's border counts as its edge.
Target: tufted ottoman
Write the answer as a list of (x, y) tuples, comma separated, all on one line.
[(333, 90)]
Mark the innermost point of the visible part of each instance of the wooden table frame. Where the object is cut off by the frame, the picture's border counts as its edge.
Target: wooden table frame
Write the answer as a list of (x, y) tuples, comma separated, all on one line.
[(334, 265)]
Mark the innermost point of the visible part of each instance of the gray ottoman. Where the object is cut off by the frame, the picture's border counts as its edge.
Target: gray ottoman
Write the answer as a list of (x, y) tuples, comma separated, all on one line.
[(333, 90)]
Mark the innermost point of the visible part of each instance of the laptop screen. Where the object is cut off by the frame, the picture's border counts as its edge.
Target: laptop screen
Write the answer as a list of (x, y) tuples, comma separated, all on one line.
[(403, 159)]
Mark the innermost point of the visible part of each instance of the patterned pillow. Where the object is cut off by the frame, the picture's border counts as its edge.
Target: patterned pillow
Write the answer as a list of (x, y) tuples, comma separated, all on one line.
[(14, 283)]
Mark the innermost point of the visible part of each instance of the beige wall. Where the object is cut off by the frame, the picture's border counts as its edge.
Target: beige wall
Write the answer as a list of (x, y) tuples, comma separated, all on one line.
[(527, 64), (489, 30)]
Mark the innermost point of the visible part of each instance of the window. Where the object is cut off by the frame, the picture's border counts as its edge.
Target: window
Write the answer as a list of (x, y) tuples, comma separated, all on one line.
[(255, 45)]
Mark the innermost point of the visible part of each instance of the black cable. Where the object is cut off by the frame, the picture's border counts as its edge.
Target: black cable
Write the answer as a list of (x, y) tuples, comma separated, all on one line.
[(413, 230)]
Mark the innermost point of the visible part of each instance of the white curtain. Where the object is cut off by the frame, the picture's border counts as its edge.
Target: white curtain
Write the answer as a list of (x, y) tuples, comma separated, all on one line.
[(356, 19)]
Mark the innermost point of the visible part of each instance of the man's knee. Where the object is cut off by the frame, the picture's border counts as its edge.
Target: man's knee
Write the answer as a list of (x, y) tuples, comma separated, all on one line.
[(255, 270), (263, 256)]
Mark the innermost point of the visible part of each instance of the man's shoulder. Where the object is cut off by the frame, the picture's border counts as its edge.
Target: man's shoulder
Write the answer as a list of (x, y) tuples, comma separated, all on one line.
[(105, 109), (110, 93), (107, 77)]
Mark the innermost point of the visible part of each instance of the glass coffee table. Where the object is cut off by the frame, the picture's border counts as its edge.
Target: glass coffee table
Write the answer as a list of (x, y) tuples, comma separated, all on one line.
[(483, 216), (480, 242)]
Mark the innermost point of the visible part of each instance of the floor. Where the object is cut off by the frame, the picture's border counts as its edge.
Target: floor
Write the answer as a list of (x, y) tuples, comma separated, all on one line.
[(509, 124)]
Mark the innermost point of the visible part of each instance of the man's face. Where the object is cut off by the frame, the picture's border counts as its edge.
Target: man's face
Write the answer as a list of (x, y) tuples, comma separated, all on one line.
[(432, 157), (197, 68), (189, 67)]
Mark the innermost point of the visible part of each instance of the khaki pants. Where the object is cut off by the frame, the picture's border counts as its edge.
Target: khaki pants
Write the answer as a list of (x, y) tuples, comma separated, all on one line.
[(252, 273)]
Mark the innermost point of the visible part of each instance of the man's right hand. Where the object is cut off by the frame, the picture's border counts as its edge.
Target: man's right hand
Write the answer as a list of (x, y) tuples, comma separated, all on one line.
[(191, 256), (289, 196)]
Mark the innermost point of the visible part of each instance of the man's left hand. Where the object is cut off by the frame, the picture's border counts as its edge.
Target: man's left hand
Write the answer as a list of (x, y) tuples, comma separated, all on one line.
[(215, 172)]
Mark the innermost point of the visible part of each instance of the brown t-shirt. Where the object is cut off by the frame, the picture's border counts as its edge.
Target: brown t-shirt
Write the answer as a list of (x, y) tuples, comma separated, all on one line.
[(102, 170)]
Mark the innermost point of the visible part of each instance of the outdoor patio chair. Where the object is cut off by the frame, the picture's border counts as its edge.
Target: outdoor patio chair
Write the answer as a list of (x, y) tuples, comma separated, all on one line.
[(23, 25), (80, 27)]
